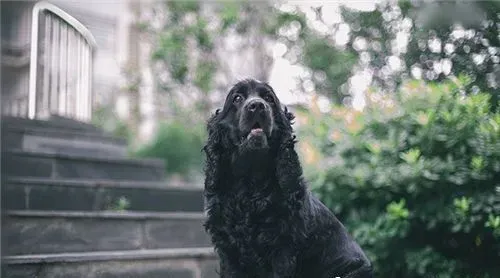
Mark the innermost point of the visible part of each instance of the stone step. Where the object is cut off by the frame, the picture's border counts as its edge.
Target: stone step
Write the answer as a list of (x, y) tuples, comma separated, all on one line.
[(18, 163), (90, 195), (62, 141), (34, 232), (54, 122), (160, 263)]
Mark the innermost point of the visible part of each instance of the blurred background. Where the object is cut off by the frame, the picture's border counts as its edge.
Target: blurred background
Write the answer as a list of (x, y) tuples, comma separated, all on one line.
[(396, 104)]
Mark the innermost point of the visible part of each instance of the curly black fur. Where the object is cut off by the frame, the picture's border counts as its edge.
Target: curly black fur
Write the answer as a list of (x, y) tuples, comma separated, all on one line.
[(262, 219)]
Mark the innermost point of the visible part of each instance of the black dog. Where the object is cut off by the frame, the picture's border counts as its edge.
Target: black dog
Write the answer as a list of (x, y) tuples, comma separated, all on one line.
[(262, 219)]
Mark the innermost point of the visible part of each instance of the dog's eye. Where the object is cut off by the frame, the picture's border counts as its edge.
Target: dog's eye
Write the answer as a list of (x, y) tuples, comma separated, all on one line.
[(237, 99), (268, 98)]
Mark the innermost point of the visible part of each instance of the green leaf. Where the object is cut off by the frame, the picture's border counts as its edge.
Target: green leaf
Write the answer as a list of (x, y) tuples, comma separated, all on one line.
[(204, 75), (462, 204), (398, 210), (411, 156)]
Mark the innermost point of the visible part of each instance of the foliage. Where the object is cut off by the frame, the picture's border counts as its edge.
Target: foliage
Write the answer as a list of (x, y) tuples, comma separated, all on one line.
[(417, 182), (396, 40), (334, 64), (329, 66), (183, 52), (120, 204), (374, 36), (172, 49), (464, 33), (206, 24), (178, 145), (431, 40), (104, 118)]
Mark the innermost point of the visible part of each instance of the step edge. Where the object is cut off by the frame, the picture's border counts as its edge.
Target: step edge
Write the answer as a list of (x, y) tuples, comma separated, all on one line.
[(132, 215), (99, 183), (155, 162), (53, 120), (35, 131), (141, 254)]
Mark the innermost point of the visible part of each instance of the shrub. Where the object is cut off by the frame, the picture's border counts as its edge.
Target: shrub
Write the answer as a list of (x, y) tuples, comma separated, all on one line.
[(177, 144), (416, 181), (104, 117)]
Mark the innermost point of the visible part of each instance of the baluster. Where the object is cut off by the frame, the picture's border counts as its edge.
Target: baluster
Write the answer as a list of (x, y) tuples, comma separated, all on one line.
[(78, 77), (46, 62), (62, 69), (85, 72), (90, 96), (69, 54), (64, 85), (54, 80)]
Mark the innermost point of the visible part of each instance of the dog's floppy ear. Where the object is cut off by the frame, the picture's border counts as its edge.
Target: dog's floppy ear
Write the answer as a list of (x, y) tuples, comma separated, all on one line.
[(286, 119), (212, 121), (289, 115), (219, 133)]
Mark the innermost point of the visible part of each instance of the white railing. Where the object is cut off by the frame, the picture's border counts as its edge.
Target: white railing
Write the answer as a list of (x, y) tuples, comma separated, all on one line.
[(60, 65)]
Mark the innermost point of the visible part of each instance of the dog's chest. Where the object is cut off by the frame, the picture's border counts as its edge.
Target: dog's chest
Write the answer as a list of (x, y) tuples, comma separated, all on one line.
[(251, 208), (253, 219)]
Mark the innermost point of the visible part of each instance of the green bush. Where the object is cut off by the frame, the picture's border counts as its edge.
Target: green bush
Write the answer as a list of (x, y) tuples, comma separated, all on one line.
[(416, 181), (104, 117), (179, 145)]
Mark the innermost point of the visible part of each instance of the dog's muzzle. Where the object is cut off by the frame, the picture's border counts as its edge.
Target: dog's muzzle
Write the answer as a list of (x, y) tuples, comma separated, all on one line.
[(256, 118)]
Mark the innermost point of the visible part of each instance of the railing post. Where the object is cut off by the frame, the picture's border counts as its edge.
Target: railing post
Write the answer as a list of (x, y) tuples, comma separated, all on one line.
[(89, 91), (33, 63), (47, 63)]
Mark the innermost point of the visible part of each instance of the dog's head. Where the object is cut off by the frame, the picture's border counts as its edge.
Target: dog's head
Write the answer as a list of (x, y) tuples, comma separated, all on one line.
[(252, 119)]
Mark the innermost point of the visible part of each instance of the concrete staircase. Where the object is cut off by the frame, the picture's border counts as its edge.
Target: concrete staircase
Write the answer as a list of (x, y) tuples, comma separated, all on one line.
[(76, 206)]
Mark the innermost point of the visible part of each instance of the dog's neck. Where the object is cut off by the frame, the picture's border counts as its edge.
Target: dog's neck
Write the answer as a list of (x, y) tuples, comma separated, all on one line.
[(255, 165)]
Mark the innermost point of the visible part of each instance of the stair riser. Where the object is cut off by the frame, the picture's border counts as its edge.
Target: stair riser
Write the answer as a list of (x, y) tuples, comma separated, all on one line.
[(81, 198), (160, 268), (66, 142), (62, 136), (19, 165), (56, 123), (96, 147), (11, 140), (32, 234)]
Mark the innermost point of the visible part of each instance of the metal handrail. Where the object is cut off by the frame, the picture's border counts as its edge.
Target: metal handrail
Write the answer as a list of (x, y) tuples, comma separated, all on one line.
[(71, 21)]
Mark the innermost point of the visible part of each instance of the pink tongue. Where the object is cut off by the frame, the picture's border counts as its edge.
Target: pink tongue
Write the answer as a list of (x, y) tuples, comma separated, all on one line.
[(255, 130)]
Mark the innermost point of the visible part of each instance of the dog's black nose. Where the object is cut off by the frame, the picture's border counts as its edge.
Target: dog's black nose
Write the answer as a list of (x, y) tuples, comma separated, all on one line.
[(256, 105)]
